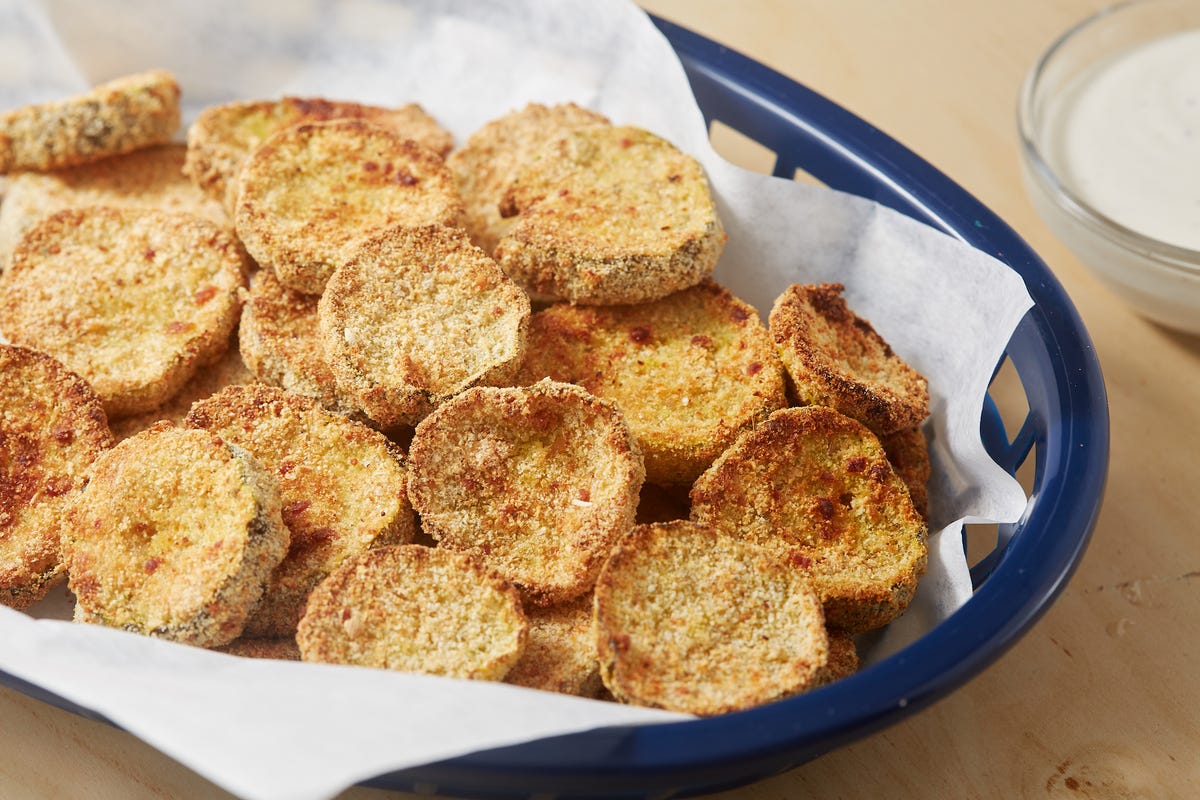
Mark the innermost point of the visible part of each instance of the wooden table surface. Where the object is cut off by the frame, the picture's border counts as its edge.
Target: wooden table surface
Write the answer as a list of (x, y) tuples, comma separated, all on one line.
[(1100, 700)]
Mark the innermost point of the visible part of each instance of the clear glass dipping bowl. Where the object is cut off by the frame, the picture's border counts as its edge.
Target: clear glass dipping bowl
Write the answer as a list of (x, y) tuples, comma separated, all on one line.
[(1159, 280)]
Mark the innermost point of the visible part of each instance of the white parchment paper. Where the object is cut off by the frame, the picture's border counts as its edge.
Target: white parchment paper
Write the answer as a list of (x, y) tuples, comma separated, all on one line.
[(290, 730)]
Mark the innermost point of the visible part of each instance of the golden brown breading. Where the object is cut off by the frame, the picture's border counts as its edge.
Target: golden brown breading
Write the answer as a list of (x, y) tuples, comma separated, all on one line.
[(691, 620), (843, 658), (488, 162), (133, 300), (908, 452), (689, 372), (538, 482), (343, 488), (310, 195), (273, 649), (117, 117), (419, 315), (610, 215), (415, 609), (280, 340), (836, 359), (817, 485), (175, 536), (560, 654), (52, 427), (148, 178), (222, 136)]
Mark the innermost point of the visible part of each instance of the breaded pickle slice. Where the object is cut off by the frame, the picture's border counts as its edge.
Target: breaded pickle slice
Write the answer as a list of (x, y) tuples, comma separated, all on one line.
[(117, 117), (415, 609), (560, 654), (908, 452), (284, 649), (817, 485), (689, 371), (342, 486), (148, 178), (133, 300), (310, 195), (843, 658), (52, 427), (280, 341), (691, 620), (487, 163), (418, 316), (538, 482), (836, 359), (222, 136), (175, 536), (610, 215)]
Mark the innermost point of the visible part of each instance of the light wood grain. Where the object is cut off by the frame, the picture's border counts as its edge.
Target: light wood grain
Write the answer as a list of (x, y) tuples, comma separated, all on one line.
[(1100, 699)]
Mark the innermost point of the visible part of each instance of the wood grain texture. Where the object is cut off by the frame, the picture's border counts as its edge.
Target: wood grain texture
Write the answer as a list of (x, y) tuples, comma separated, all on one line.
[(1099, 700)]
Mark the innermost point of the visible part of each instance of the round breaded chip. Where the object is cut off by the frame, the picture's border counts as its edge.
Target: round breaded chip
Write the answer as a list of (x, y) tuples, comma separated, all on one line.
[(272, 649), (117, 117), (222, 136), (538, 482), (908, 452), (280, 341), (817, 485), (175, 536), (342, 486), (418, 316), (133, 300), (836, 359), (560, 654), (610, 215), (310, 195), (148, 178), (488, 162), (690, 620), (689, 372), (415, 609), (843, 658), (52, 427)]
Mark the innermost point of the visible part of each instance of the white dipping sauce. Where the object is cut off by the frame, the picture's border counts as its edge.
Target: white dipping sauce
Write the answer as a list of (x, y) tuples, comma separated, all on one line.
[(1125, 136)]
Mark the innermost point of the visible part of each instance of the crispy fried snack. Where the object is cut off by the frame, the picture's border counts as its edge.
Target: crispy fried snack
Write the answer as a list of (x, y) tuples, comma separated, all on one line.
[(310, 195), (52, 427), (817, 486), (116, 117), (134, 301), (487, 163), (280, 341), (537, 482), (908, 452), (222, 136), (688, 619), (843, 658), (560, 654), (342, 487), (148, 178), (273, 649), (610, 215), (836, 359), (418, 316), (175, 536), (689, 372), (415, 609)]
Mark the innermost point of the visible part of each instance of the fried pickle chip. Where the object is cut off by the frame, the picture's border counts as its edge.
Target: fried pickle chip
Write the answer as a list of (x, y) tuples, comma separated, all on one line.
[(817, 485), (843, 658), (560, 654), (133, 300), (415, 609), (610, 215), (222, 136), (273, 649), (908, 452), (691, 620), (117, 117), (52, 427), (836, 359), (418, 316), (175, 536), (537, 482), (689, 371), (342, 486), (487, 163), (310, 195), (148, 178)]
